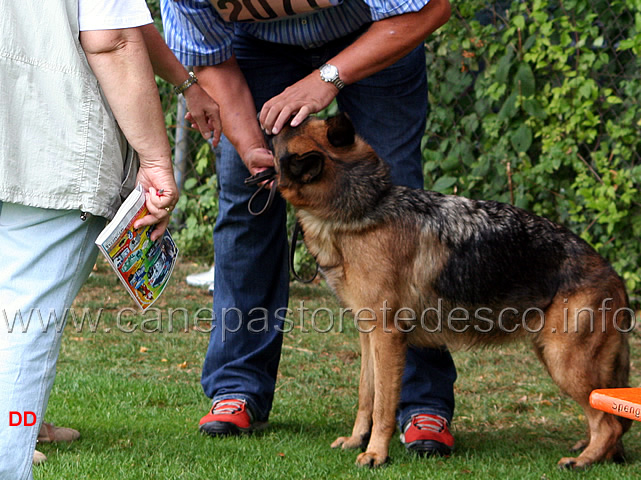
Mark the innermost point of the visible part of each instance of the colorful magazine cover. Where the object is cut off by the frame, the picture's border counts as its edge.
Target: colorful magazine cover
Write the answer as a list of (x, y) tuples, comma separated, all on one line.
[(143, 266)]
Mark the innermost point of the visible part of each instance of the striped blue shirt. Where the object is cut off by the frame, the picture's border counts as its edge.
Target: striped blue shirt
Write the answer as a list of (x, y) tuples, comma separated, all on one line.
[(198, 36)]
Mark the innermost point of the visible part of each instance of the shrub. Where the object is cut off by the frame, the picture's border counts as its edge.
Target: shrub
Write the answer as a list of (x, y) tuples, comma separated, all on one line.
[(537, 104)]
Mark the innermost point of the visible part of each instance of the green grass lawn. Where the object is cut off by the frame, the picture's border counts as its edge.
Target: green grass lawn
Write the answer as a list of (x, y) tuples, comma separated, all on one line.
[(131, 386)]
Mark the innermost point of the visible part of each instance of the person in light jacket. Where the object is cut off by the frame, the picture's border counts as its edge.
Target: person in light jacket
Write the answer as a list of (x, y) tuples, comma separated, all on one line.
[(77, 99)]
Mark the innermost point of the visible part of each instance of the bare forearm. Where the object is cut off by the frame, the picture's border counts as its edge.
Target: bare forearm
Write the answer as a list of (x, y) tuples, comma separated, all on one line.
[(202, 108), (120, 61), (389, 40), (226, 84), (383, 44), (164, 62)]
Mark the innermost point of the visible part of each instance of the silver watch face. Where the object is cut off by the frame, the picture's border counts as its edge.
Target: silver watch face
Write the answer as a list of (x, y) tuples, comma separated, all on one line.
[(329, 72)]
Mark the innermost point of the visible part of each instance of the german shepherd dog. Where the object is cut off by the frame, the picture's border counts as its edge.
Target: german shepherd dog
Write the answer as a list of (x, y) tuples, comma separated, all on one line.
[(507, 273)]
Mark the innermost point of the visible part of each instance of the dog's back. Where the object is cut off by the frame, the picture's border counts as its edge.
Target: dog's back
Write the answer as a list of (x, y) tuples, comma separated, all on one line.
[(486, 259)]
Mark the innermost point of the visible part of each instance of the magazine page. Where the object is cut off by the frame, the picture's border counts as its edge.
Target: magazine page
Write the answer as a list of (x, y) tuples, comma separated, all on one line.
[(143, 266)]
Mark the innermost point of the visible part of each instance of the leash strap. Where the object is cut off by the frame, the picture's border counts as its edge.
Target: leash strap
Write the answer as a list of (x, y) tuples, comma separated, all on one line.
[(263, 178), (292, 252)]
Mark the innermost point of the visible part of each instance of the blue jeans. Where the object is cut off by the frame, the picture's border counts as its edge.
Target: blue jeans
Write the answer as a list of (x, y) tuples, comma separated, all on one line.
[(388, 109), (46, 257)]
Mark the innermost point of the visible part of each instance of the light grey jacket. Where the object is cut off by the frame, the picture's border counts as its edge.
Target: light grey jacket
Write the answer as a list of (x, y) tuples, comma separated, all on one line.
[(60, 146)]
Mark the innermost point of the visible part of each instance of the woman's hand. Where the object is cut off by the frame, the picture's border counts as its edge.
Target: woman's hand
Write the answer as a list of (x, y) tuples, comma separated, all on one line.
[(161, 194)]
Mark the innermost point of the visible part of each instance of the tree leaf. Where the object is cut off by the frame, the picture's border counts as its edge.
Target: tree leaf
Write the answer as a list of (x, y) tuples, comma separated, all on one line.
[(524, 80), (443, 183), (521, 139), (508, 110), (533, 108), (503, 68)]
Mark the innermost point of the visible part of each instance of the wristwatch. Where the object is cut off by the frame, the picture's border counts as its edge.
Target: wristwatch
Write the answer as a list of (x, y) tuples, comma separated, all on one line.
[(329, 73), (186, 84)]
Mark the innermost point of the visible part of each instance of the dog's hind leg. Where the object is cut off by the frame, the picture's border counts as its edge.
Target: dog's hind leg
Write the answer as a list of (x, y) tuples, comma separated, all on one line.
[(583, 350), (363, 423)]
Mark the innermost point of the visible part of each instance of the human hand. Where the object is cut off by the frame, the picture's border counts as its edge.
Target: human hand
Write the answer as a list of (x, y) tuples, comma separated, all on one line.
[(307, 96), (257, 159), (204, 113), (161, 196)]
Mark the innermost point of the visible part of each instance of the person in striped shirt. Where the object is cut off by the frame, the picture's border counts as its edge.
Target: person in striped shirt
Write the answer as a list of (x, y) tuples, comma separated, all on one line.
[(266, 63)]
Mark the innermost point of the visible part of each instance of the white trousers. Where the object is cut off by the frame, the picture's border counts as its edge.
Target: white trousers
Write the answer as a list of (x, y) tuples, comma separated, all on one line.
[(45, 257)]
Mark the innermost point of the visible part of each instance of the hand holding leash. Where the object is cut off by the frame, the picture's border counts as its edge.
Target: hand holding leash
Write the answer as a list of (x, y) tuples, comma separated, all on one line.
[(264, 178)]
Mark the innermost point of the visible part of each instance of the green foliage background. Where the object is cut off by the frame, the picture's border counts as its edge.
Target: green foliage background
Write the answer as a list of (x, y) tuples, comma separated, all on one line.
[(536, 103)]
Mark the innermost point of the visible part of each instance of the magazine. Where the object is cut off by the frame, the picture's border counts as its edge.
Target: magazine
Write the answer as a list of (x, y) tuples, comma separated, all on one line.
[(143, 266)]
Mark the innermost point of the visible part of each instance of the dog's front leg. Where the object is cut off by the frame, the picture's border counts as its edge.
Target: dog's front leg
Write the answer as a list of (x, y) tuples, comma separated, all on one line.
[(363, 423), (388, 350)]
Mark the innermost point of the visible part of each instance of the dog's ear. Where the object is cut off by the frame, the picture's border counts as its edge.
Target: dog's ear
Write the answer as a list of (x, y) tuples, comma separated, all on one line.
[(340, 131), (305, 168)]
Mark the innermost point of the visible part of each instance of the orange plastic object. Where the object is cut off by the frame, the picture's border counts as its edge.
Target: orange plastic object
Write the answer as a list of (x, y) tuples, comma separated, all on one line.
[(625, 402)]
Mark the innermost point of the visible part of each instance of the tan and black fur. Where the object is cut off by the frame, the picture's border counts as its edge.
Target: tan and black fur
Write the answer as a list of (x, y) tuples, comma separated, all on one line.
[(380, 245)]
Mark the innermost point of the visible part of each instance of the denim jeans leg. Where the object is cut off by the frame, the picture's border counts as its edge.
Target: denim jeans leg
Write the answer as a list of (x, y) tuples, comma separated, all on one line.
[(46, 257), (389, 110), (251, 285), (251, 270)]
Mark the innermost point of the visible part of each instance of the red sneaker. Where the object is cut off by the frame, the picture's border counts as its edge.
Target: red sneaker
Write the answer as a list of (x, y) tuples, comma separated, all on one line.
[(427, 435), (229, 417)]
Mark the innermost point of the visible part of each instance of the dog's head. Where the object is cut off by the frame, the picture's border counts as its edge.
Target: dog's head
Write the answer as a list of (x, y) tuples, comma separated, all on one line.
[(323, 166)]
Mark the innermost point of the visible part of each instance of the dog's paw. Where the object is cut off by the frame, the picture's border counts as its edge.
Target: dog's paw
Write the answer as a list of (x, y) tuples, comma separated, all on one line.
[(339, 442), (573, 463), (348, 443), (371, 459)]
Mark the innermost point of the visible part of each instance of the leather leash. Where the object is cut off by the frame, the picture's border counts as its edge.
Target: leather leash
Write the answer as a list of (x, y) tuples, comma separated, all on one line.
[(263, 179), (298, 229)]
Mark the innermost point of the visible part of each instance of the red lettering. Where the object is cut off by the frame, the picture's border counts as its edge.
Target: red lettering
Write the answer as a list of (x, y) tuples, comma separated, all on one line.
[(11, 416), (33, 415), (16, 418)]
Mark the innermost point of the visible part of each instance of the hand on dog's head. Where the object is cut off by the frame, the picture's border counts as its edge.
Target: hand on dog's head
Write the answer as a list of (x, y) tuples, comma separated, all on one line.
[(321, 158)]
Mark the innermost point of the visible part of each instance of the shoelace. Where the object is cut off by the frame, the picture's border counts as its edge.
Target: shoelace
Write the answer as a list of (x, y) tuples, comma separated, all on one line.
[(230, 406), (429, 422)]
